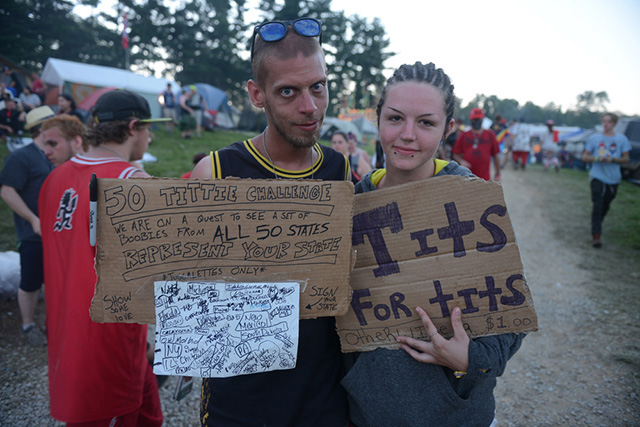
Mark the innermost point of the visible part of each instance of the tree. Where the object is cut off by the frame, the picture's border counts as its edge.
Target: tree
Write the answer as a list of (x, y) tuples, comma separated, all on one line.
[(592, 101), (199, 42), (33, 31)]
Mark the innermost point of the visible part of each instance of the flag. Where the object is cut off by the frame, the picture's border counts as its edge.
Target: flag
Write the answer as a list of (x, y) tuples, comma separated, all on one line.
[(125, 36)]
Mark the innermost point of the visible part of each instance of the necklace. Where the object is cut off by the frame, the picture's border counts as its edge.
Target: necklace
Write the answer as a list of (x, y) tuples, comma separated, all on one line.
[(273, 166), (112, 151)]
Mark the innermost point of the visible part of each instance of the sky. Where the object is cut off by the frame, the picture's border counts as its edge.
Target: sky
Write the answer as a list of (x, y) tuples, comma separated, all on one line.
[(541, 51), (530, 50)]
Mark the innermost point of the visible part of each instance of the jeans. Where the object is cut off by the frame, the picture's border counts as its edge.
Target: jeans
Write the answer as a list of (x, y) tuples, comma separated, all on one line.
[(601, 195)]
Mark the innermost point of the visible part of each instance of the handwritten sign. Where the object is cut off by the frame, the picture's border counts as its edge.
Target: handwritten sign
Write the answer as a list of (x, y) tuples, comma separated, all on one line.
[(437, 244), (215, 330), (232, 230)]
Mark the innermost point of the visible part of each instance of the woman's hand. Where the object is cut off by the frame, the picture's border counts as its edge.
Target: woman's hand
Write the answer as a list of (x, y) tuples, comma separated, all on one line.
[(452, 353)]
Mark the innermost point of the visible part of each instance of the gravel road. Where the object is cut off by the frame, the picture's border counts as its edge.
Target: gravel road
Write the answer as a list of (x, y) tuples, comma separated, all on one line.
[(581, 368)]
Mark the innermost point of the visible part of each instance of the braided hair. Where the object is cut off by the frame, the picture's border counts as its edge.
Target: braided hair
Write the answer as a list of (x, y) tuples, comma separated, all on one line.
[(421, 73)]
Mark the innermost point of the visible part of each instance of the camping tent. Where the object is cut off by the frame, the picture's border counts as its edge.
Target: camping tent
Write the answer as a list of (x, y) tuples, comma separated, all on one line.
[(80, 80), (217, 101), (333, 124)]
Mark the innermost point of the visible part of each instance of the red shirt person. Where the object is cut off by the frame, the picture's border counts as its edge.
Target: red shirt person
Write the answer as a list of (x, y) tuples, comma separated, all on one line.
[(475, 148)]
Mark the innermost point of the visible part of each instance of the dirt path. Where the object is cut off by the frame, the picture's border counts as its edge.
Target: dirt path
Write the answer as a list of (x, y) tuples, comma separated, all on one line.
[(581, 367)]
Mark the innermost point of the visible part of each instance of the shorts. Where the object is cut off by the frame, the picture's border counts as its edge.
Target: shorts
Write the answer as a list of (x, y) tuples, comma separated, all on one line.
[(147, 415), (187, 122), (524, 155), (170, 113), (197, 116), (31, 268)]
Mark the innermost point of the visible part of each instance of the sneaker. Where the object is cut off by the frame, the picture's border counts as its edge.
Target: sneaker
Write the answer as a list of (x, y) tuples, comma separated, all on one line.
[(34, 336), (596, 240)]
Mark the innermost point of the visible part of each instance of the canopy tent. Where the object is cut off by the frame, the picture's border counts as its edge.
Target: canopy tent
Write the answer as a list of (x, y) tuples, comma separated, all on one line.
[(217, 104), (80, 80)]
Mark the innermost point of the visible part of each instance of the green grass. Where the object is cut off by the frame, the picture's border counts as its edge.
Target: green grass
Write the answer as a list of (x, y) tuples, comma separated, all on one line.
[(568, 194)]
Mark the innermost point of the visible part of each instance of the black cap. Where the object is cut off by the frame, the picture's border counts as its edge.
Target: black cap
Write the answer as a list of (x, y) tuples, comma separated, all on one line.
[(121, 104)]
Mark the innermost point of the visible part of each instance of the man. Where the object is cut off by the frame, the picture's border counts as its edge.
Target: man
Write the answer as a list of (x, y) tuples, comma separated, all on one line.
[(193, 104), (21, 178), (290, 83), (476, 148), (520, 144), (606, 151), (63, 138), (169, 107), (98, 373), (549, 148), (11, 118)]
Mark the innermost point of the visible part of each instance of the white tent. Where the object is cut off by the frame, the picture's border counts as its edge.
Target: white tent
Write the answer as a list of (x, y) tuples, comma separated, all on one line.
[(62, 73)]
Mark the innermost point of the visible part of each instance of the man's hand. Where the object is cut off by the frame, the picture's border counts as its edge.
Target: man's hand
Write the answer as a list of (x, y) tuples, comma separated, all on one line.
[(452, 353)]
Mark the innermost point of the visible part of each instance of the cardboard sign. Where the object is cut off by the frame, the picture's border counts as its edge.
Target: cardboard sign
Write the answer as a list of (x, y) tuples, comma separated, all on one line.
[(436, 244), (221, 230), (219, 330)]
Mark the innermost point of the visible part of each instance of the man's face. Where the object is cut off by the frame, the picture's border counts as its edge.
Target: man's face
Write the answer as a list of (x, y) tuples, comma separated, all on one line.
[(295, 98), (143, 136), (57, 149), (608, 124)]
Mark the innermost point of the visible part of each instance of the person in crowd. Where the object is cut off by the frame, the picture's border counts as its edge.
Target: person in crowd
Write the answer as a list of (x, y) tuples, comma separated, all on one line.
[(11, 118), (98, 373), (340, 143), (37, 86), (67, 105), (169, 107), (29, 100), (550, 148), (476, 148), (196, 159), (25, 169), (360, 160), (443, 382), (520, 144), (444, 151), (606, 151), (187, 118), (192, 103), (378, 156), (290, 84)]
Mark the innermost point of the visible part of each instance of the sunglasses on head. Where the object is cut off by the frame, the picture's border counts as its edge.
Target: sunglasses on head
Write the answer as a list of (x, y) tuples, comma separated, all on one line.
[(274, 31)]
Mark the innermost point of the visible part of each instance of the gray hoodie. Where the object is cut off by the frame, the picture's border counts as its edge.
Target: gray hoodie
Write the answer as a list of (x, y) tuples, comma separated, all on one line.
[(390, 388)]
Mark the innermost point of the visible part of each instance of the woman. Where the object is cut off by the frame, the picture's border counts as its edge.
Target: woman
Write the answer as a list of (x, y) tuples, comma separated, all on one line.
[(28, 99), (443, 382), (340, 143), (68, 106)]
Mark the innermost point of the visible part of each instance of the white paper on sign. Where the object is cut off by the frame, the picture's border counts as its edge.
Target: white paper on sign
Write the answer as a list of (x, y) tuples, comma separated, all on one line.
[(215, 330)]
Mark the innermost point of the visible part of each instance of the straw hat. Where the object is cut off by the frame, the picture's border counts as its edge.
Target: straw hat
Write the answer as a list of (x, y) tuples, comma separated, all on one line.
[(37, 116)]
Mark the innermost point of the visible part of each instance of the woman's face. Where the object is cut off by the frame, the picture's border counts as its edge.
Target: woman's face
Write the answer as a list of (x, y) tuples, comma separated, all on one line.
[(63, 103), (340, 144), (412, 124)]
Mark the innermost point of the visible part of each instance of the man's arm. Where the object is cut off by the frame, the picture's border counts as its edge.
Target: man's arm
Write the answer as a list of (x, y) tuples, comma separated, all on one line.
[(15, 202), (496, 164)]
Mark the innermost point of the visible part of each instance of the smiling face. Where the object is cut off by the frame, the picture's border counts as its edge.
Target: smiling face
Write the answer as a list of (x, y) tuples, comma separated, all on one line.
[(412, 124), (295, 97)]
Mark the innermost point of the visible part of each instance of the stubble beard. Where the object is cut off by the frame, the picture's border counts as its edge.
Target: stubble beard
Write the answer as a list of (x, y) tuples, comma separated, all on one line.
[(304, 141)]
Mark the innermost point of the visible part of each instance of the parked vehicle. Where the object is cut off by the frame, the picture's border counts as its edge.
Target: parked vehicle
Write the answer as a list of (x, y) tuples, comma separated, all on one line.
[(630, 127)]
